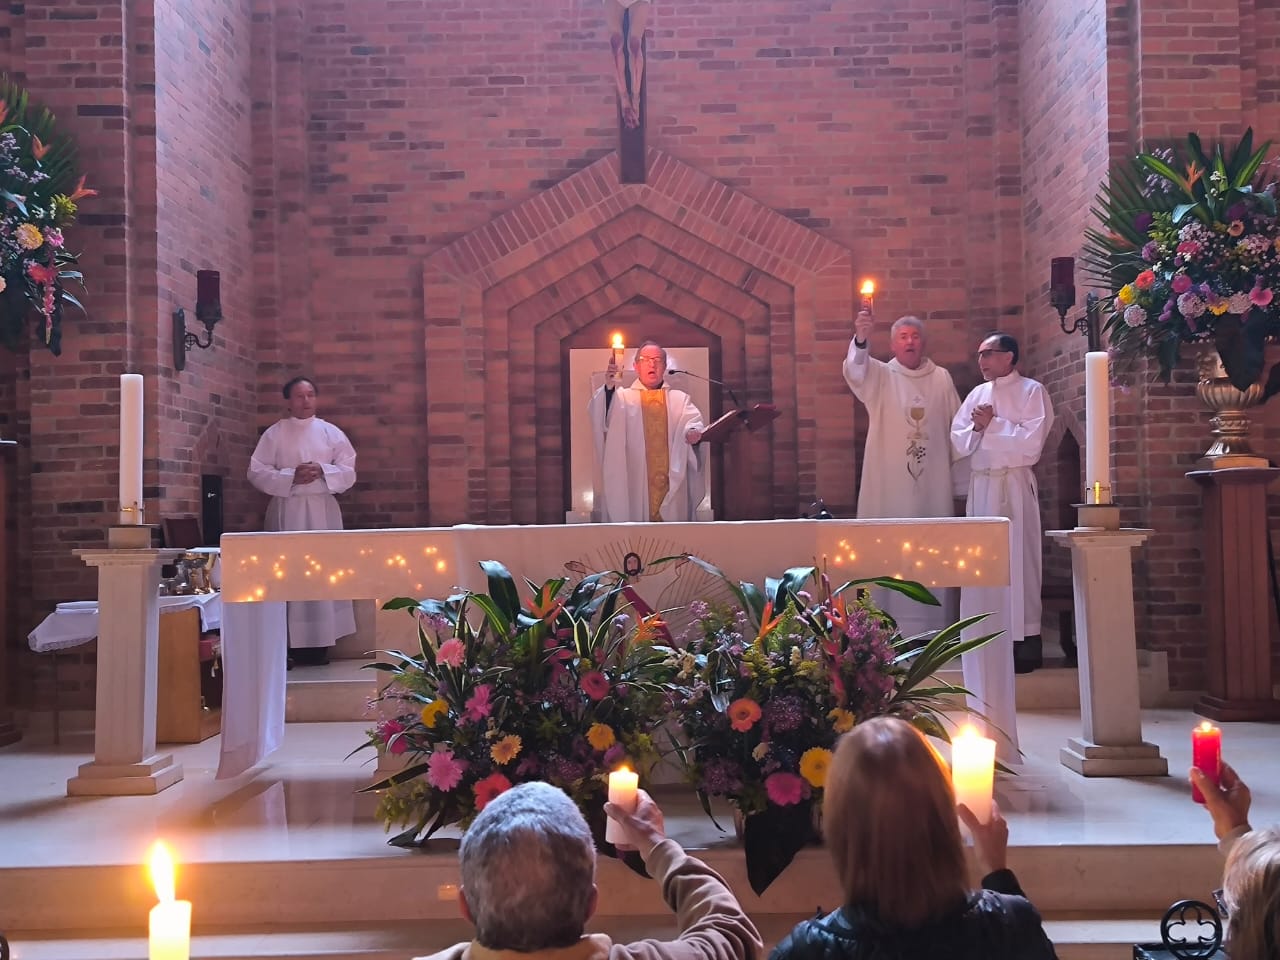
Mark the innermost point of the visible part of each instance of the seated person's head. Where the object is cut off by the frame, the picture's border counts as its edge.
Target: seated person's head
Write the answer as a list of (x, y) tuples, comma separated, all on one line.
[(528, 870), (1251, 889), (890, 822)]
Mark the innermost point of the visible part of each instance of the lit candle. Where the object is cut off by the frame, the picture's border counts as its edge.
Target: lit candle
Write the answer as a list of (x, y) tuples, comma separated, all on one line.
[(130, 448), (1206, 755), (170, 932), (868, 291), (1097, 420), (623, 787), (973, 765)]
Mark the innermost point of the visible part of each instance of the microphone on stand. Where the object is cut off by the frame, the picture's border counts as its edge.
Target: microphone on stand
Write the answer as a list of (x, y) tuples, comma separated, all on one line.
[(697, 376)]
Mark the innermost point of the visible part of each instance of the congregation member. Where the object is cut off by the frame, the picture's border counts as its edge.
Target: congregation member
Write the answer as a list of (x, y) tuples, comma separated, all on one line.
[(648, 467), (907, 461), (302, 463), (890, 824), (528, 868), (1250, 894), (1001, 427)]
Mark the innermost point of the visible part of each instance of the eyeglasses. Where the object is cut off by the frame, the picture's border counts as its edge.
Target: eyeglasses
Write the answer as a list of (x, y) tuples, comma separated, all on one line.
[(1218, 898), (988, 354), (651, 361)]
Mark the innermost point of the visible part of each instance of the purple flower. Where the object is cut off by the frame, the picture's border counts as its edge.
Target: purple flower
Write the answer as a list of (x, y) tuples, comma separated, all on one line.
[(1142, 222), (784, 714), (1150, 251), (721, 776), (1236, 211)]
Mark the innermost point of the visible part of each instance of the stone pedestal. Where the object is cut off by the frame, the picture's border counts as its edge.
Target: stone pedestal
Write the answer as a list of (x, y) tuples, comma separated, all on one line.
[(1110, 712), (1239, 603), (125, 761)]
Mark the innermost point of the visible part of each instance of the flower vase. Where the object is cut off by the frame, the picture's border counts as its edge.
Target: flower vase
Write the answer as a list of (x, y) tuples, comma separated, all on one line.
[(1231, 424)]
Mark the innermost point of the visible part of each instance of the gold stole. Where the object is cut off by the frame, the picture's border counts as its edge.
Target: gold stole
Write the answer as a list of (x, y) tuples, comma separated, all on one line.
[(657, 451)]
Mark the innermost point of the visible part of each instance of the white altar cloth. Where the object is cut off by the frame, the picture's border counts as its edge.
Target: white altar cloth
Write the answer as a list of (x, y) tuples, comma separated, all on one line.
[(260, 570), (76, 622)]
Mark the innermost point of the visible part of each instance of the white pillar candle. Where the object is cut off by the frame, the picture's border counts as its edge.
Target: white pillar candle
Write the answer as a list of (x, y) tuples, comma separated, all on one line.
[(623, 791), (1097, 413), (170, 920), (973, 763), (130, 448)]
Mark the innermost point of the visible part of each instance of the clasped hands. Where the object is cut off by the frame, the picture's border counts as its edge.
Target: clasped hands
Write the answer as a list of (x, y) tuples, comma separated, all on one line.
[(306, 472), (983, 414)]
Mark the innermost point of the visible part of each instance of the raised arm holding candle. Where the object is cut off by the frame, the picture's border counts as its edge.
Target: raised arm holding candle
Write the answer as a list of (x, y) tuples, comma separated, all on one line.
[(649, 468), (907, 460)]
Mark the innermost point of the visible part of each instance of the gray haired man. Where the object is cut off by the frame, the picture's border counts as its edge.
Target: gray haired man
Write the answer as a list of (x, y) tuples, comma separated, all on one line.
[(528, 885)]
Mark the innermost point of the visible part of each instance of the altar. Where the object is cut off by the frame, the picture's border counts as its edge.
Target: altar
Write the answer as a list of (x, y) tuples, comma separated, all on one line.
[(260, 571)]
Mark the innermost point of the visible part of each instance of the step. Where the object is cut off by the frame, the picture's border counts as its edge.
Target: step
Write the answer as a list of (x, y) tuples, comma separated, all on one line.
[(1075, 939), (336, 692)]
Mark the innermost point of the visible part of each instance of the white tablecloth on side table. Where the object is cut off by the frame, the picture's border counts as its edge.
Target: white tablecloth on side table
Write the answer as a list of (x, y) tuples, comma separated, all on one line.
[(74, 623)]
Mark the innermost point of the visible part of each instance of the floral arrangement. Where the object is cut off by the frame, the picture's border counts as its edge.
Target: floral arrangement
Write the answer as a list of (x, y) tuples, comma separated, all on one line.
[(563, 687), (1189, 247), (39, 193), (763, 690)]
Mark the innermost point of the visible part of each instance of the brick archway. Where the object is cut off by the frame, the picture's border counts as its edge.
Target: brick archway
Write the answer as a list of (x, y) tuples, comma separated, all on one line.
[(773, 296)]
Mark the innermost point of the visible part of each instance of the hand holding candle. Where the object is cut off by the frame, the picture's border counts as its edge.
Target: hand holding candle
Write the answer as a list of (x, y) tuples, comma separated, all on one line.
[(130, 448), (170, 927), (973, 762), (1206, 755), (624, 786), (868, 291)]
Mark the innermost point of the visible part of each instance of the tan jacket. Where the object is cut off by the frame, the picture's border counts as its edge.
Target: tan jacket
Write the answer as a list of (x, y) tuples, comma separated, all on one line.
[(713, 926)]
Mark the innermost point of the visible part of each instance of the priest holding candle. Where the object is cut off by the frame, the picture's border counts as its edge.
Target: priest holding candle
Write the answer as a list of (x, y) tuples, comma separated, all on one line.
[(907, 461), (648, 466)]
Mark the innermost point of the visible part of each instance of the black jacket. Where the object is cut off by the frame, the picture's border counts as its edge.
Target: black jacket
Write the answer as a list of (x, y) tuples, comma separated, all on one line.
[(996, 923)]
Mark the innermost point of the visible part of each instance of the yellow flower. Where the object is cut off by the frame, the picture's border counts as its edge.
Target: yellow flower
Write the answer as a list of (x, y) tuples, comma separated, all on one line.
[(432, 713), (813, 766), (1219, 308), (506, 749), (29, 237), (841, 720), (1128, 293), (601, 736)]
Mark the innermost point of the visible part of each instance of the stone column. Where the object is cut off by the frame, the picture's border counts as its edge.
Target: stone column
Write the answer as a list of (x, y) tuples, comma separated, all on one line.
[(1102, 576), (125, 761)]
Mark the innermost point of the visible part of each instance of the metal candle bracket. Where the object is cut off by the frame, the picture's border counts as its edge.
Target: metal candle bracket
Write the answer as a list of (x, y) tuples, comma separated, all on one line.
[(130, 536)]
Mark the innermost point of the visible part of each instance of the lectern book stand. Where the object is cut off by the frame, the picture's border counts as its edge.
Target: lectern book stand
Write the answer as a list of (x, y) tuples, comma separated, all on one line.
[(751, 418)]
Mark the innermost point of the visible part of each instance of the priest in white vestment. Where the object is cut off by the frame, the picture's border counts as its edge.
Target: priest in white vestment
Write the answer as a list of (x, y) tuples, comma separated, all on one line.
[(907, 462), (302, 462), (1002, 426), (648, 465)]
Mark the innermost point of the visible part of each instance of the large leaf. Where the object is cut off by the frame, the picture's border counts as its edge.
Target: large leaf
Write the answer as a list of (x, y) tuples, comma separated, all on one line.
[(502, 588)]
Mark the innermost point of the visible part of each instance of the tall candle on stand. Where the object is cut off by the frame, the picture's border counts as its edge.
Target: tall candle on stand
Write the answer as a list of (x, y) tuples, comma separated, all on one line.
[(130, 448), (1206, 755), (624, 785), (973, 766), (1097, 405), (170, 928)]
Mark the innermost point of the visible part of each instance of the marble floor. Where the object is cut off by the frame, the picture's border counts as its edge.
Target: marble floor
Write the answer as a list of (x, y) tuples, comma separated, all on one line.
[(301, 804)]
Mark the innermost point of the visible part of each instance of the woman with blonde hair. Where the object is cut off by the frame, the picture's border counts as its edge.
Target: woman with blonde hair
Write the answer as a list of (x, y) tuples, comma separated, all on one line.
[(890, 820)]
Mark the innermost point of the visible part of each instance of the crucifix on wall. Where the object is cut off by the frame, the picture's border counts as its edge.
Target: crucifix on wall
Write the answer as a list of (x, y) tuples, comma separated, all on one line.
[(627, 20)]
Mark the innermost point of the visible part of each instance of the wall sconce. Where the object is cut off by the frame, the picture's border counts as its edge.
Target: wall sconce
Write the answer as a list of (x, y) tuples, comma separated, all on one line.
[(208, 312), (1062, 294)]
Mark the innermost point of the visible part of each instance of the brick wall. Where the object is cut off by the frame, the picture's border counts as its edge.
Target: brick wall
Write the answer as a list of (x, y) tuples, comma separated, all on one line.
[(343, 165)]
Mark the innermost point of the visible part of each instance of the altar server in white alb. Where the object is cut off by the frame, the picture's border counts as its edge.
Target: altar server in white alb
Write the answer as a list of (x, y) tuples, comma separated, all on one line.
[(1001, 427), (648, 465), (906, 466), (302, 462)]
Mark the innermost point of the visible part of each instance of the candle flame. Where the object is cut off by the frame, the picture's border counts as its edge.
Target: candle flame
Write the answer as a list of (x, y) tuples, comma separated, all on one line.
[(616, 341), (868, 288), (623, 769), (161, 869), (967, 732), (1205, 726)]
